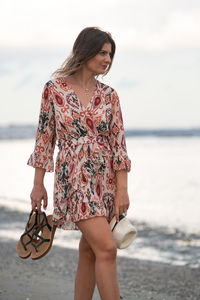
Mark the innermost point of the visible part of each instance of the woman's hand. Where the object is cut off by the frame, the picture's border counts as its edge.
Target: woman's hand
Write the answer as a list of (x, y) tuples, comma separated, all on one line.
[(121, 202), (38, 194)]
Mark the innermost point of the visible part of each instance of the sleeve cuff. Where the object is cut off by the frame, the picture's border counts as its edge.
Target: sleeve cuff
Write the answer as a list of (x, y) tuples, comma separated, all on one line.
[(121, 163), (41, 161)]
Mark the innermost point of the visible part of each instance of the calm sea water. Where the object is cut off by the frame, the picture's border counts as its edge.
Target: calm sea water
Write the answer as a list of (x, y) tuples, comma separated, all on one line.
[(164, 184)]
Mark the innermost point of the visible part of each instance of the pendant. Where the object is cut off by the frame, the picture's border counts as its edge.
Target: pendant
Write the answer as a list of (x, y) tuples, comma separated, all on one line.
[(87, 91)]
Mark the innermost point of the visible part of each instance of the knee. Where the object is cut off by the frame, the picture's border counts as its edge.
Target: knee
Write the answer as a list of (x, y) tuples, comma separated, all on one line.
[(85, 250), (108, 251)]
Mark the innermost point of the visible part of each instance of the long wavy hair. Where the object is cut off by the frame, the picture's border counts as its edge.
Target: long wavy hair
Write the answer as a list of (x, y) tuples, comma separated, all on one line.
[(87, 45)]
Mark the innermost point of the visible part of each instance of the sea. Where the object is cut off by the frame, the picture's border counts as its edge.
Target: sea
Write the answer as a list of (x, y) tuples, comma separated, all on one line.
[(163, 187)]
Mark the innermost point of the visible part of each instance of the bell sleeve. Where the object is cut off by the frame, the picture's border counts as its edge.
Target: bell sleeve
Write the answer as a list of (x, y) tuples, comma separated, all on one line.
[(42, 156), (120, 159)]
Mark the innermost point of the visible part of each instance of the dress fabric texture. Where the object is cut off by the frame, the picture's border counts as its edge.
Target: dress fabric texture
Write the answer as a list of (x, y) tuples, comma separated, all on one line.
[(91, 148)]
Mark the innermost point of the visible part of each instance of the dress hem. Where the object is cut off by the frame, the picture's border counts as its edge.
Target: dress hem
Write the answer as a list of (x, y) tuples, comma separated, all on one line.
[(71, 225)]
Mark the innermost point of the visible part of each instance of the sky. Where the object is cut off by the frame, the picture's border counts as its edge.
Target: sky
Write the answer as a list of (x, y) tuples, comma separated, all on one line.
[(156, 68)]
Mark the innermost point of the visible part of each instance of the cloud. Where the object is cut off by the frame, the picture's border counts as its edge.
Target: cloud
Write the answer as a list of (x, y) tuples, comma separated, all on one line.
[(181, 30), (154, 25), (126, 83), (24, 81)]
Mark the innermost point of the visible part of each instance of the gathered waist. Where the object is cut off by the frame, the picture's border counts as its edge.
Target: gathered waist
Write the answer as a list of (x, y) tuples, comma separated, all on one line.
[(80, 150), (100, 140)]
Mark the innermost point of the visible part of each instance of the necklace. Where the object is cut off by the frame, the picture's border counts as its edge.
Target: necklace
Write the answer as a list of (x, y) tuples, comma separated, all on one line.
[(87, 91)]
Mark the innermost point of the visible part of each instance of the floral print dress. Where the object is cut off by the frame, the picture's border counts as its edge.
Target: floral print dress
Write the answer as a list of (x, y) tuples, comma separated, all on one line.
[(92, 147)]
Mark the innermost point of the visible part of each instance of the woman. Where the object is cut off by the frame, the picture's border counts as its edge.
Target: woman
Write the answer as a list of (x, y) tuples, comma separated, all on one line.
[(83, 115)]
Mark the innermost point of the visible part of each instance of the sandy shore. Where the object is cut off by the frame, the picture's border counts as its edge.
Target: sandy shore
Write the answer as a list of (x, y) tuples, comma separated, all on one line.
[(52, 277)]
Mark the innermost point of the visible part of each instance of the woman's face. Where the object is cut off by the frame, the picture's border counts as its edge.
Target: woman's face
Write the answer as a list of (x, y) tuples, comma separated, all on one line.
[(99, 63)]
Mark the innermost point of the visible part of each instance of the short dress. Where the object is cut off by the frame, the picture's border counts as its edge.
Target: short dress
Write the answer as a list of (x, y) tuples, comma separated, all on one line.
[(91, 149)]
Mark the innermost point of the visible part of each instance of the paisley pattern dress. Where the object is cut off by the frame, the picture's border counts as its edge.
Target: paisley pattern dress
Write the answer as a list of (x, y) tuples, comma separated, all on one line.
[(92, 147)]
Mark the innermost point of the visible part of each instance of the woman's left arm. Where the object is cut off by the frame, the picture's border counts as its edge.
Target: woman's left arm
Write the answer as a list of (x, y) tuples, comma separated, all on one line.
[(120, 161), (121, 197)]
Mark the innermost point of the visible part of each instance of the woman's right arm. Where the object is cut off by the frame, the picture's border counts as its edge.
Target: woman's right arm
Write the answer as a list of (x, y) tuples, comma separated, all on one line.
[(42, 157), (39, 192)]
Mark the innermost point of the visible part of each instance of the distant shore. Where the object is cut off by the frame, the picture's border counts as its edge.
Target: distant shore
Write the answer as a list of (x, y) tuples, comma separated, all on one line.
[(54, 274), (28, 131)]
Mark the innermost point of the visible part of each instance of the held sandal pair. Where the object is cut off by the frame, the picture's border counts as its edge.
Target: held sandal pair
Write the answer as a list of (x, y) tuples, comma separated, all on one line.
[(37, 239)]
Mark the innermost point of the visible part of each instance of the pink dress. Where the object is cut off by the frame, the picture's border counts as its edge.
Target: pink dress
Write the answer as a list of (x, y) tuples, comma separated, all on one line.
[(92, 148)]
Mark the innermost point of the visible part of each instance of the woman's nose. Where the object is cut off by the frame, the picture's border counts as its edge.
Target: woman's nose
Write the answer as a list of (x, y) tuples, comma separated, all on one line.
[(108, 59)]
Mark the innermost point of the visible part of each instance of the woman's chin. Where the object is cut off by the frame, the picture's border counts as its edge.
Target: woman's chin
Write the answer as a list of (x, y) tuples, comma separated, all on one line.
[(100, 72)]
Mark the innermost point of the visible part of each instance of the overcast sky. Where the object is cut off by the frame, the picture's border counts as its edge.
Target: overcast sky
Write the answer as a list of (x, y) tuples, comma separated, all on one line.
[(155, 72)]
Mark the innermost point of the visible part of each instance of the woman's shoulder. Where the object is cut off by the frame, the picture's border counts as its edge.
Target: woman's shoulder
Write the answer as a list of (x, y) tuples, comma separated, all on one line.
[(107, 88), (56, 81), (48, 83)]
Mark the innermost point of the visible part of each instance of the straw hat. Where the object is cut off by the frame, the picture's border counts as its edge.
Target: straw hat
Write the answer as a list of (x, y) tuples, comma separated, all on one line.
[(123, 231)]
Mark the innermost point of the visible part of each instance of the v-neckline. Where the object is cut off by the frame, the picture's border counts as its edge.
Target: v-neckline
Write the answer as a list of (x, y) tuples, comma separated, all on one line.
[(83, 107)]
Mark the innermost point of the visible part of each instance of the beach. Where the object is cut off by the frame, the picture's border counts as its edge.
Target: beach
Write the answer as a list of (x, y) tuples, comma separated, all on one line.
[(52, 277)]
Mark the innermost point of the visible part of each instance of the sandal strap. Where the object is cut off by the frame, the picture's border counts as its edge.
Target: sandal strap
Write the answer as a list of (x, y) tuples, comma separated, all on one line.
[(40, 243), (27, 231), (35, 233), (46, 221)]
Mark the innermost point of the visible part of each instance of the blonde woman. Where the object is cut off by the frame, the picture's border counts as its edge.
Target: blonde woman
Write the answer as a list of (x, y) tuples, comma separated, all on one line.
[(83, 116)]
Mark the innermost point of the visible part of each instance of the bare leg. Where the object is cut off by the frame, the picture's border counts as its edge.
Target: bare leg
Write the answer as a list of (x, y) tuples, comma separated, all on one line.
[(99, 236), (85, 276)]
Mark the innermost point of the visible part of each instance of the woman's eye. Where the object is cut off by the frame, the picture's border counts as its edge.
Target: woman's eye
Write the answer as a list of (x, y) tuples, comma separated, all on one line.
[(104, 53)]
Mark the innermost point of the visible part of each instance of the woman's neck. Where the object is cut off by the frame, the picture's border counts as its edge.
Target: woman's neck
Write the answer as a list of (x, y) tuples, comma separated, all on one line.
[(84, 78)]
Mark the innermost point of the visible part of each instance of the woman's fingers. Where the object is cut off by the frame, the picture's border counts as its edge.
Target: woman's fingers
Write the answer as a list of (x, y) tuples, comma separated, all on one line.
[(45, 201), (122, 210), (121, 201), (117, 213), (121, 207), (38, 203), (33, 205)]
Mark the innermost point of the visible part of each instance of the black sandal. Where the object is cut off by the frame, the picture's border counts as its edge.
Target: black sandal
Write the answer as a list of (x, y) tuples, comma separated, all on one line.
[(42, 237), (24, 246)]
